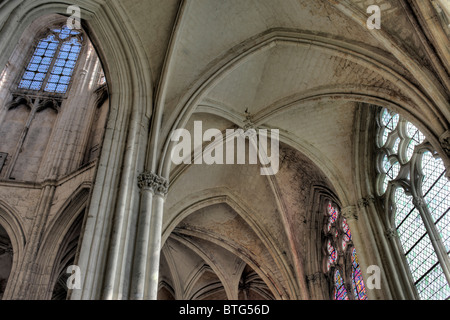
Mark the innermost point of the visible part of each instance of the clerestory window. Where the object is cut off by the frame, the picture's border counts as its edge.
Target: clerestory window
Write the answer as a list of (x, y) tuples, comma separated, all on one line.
[(411, 181), (53, 61)]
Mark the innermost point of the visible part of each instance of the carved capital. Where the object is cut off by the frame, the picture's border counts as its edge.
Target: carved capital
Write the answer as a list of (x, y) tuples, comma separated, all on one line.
[(366, 201), (391, 233), (313, 277), (418, 202), (150, 181), (350, 213)]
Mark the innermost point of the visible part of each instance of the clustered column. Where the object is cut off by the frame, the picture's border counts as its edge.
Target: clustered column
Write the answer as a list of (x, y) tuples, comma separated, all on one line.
[(154, 189)]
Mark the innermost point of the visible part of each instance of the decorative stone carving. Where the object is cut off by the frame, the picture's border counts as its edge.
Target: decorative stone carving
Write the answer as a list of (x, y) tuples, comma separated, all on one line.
[(350, 213), (18, 100), (313, 277), (249, 126), (150, 181), (391, 233), (54, 104), (366, 201), (418, 202)]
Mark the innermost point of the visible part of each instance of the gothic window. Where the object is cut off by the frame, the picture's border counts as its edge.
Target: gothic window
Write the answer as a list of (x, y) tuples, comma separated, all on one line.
[(53, 61), (412, 182), (339, 293), (341, 262), (359, 291)]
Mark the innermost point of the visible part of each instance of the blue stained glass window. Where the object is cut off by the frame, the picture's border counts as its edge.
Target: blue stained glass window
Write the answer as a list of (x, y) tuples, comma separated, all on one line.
[(65, 63), (63, 43)]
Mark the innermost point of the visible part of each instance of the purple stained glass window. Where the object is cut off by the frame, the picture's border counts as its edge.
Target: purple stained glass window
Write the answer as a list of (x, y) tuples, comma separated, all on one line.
[(338, 228), (332, 255), (346, 229), (359, 289), (332, 212), (344, 245), (340, 293), (332, 252), (347, 234), (333, 215)]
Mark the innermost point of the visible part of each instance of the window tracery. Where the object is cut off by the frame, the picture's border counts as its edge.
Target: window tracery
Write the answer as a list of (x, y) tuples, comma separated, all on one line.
[(341, 264), (53, 61), (411, 181)]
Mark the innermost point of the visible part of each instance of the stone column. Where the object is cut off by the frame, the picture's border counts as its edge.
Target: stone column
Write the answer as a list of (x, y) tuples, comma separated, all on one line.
[(148, 243), (434, 235)]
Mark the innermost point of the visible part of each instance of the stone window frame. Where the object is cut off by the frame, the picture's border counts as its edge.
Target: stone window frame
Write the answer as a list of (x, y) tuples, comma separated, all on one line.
[(344, 255), (409, 177), (42, 33)]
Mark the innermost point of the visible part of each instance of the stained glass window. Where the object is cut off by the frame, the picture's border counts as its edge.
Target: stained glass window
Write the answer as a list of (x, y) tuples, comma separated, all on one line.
[(58, 53), (338, 241), (347, 234), (427, 200), (359, 289), (332, 255), (332, 212), (340, 293)]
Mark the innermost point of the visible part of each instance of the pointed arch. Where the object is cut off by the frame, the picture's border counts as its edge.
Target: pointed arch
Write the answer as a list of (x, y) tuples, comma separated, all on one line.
[(10, 220), (131, 93), (59, 244)]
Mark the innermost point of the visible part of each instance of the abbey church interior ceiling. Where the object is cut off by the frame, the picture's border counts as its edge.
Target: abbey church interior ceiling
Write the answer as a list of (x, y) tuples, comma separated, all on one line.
[(224, 150)]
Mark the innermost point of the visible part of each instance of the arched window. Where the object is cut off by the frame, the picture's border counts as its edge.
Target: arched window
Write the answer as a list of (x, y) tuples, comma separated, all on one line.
[(53, 61), (340, 259), (411, 180), (359, 290), (339, 293)]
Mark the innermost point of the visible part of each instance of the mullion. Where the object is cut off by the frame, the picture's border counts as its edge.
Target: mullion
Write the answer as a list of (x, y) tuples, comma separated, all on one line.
[(50, 69), (52, 64)]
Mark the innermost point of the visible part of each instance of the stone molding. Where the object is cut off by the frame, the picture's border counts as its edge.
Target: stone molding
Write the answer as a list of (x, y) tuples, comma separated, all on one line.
[(350, 213)]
